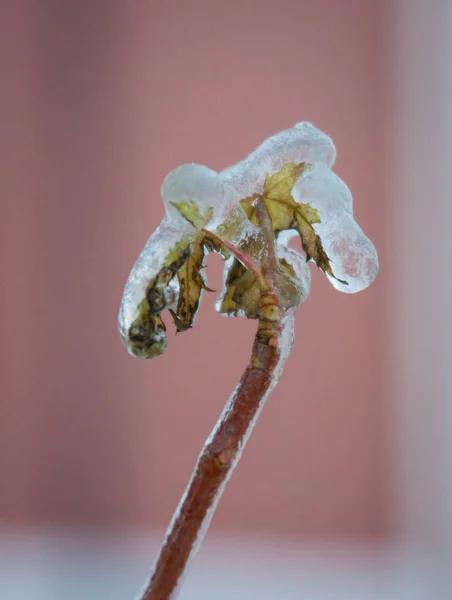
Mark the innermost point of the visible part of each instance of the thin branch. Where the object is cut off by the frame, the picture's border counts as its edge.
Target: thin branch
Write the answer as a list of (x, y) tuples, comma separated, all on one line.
[(223, 448), (241, 257), (218, 459), (270, 262)]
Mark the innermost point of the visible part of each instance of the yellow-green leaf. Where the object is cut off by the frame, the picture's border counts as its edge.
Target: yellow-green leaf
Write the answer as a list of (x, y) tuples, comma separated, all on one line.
[(191, 283), (242, 293), (279, 186), (194, 214)]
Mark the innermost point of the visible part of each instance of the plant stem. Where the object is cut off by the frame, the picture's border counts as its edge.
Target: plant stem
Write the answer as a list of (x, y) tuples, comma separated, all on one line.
[(270, 262), (223, 448)]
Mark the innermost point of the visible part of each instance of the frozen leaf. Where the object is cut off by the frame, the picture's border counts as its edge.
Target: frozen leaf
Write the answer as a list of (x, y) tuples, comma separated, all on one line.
[(243, 291), (285, 213), (236, 228), (199, 193), (243, 286), (279, 186), (197, 216), (146, 337), (191, 283), (239, 284), (169, 267), (141, 326), (159, 293), (351, 254), (150, 279), (144, 334)]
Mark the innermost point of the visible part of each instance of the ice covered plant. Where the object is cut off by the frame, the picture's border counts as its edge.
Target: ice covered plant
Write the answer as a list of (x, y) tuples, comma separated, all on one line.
[(247, 213)]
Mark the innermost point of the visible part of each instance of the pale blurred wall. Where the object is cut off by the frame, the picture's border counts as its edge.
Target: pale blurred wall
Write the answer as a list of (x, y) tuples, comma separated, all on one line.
[(103, 99), (420, 349), (420, 134)]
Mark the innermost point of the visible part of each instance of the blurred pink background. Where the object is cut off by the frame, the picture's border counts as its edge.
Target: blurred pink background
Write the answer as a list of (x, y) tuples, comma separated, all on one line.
[(105, 99), (101, 100)]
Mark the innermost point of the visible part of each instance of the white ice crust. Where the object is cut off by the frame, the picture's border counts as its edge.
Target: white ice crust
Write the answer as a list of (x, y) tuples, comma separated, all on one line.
[(148, 264), (301, 143), (352, 255), (200, 184)]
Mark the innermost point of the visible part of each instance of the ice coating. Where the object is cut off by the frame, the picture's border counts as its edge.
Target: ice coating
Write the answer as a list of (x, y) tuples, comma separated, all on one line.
[(217, 197), (187, 183), (201, 185), (286, 342), (352, 255), (299, 265), (148, 264), (331, 193), (236, 228), (301, 143)]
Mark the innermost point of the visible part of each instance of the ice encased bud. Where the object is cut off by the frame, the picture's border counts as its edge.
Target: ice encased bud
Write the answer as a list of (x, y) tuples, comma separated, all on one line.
[(352, 255), (302, 143)]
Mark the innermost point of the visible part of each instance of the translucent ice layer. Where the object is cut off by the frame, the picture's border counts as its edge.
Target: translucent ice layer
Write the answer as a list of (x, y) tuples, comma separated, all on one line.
[(201, 185), (352, 255), (301, 143), (196, 199), (300, 267), (148, 264)]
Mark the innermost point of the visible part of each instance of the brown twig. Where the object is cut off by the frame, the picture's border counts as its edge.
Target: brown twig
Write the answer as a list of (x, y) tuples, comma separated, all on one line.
[(223, 448)]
